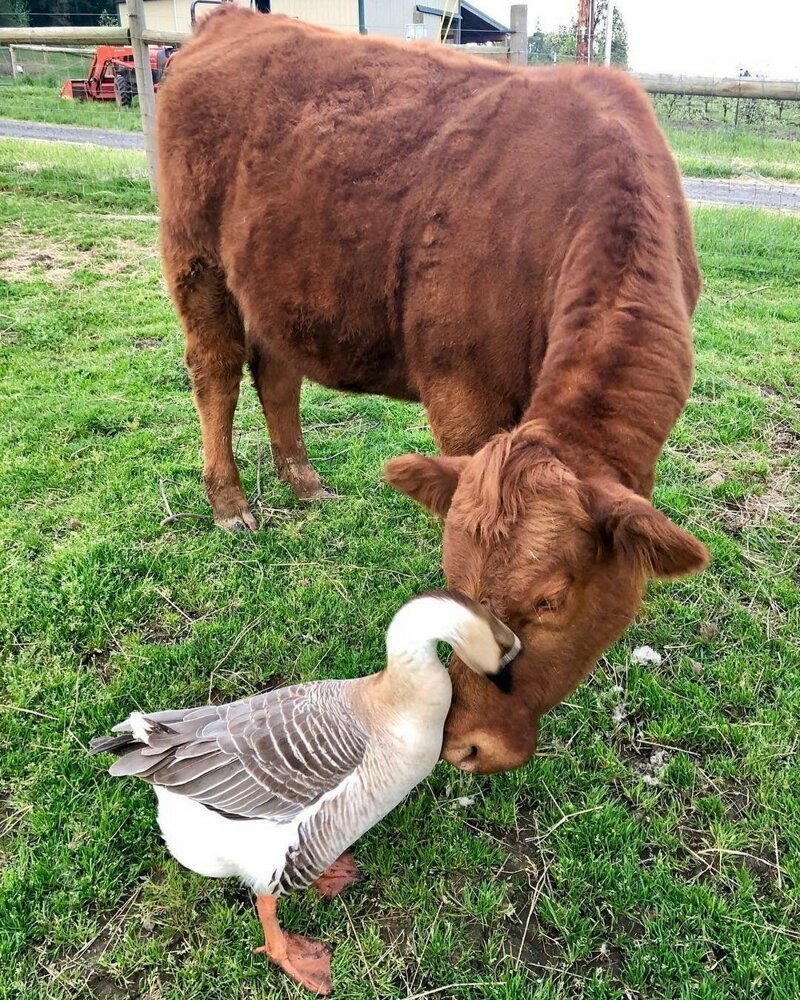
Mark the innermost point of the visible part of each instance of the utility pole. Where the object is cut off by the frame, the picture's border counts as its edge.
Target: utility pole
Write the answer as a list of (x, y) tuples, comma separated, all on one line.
[(585, 21), (609, 26)]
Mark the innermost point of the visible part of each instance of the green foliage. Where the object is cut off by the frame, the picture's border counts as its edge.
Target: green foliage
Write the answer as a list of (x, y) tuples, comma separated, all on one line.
[(619, 35), (13, 13), (561, 45), (69, 12), (766, 117)]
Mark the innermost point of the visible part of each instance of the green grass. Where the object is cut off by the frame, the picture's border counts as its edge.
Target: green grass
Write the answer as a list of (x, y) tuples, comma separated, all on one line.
[(719, 151), (40, 102), (653, 847)]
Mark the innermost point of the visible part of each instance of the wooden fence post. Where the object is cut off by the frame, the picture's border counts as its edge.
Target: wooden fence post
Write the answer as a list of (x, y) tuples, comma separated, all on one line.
[(144, 85), (14, 67), (518, 43)]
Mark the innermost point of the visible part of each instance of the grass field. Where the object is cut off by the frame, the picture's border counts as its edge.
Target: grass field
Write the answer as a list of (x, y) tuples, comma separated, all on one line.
[(721, 151), (703, 149), (40, 102), (651, 850)]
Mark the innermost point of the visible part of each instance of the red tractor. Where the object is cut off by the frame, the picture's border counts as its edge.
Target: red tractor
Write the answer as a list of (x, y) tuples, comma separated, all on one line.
[(112, 77)]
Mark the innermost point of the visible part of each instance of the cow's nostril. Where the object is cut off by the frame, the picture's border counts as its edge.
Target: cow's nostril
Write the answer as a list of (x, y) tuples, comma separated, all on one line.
[(465, 758)]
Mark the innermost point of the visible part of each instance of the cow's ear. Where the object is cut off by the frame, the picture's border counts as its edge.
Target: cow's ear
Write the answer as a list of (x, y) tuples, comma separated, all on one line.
[(633, 527), (430, 481)]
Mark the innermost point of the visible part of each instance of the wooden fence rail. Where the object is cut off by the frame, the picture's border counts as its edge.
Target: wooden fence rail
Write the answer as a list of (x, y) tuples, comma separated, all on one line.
[(161, 36), (71, 50), (64, 36), (703, 86)]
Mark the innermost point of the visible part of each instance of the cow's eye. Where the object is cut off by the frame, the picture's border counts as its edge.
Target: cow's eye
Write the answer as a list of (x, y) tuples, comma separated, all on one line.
[(546, 605)]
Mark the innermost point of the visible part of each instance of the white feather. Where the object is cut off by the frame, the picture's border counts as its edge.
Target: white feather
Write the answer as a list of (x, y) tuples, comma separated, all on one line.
[(215, 846), (139, 727)]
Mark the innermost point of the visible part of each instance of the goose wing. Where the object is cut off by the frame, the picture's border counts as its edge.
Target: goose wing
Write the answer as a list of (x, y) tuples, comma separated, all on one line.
[(266, 757)]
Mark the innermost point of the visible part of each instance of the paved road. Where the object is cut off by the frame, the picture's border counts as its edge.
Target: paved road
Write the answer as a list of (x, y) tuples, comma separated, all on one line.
[(108, 138), (776, 195)]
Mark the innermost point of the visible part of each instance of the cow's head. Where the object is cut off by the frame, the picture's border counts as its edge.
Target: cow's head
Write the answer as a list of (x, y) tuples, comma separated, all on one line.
[(562, 561)]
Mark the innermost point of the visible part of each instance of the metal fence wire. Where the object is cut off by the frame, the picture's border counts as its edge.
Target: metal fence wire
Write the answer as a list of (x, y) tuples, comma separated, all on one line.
[(43, 63)]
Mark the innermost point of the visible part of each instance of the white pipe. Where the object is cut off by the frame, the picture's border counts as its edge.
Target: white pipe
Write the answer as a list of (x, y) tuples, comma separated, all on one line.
[(609, 25)]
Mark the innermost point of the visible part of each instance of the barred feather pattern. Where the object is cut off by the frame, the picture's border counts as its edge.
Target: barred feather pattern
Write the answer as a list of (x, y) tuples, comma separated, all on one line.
[(266, 757), (380, 783)]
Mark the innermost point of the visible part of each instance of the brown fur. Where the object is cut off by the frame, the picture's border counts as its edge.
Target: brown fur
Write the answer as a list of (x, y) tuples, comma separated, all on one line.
[(511, 247)]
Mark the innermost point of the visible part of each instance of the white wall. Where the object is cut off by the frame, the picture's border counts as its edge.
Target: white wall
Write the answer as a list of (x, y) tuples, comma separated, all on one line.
[(388, 17), (174, 15), (339, 14), (170, 15)]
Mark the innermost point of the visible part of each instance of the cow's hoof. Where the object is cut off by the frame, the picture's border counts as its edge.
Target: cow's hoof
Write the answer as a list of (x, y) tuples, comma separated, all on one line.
[(319, 493), (241, 521)]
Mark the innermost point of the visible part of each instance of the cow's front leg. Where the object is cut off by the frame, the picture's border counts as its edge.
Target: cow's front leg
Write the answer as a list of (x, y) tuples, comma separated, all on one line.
[(278, 388)]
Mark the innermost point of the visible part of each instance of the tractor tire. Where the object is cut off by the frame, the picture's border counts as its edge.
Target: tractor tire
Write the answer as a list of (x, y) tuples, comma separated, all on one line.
[(123, 91)]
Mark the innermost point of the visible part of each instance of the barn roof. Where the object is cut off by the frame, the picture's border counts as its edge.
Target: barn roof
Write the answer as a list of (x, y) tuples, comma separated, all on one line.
[(475, 25)]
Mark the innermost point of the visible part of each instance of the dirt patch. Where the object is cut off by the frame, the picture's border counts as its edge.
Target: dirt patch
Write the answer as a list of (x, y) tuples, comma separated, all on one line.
[(395, 932), (781, 494), (148, 344), (111, 217), (528, 939), (780, 497), (785, 440), (114, 268), (520, 845), (98, 661), (32, 258), (32, 263)]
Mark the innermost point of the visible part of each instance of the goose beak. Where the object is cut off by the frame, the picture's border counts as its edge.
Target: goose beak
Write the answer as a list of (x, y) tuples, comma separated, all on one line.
[(502, 679)]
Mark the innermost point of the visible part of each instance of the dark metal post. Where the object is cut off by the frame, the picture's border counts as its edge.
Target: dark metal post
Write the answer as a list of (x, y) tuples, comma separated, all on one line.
[(362, 18)]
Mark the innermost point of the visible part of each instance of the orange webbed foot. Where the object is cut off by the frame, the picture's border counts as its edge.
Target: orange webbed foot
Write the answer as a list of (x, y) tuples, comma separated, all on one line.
[(305, 960), (341, 873)]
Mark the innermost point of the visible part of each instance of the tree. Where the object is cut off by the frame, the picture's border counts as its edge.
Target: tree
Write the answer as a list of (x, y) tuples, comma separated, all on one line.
[(561, 45), (13, 13), (553, 46), (619, 35), (67, 12)]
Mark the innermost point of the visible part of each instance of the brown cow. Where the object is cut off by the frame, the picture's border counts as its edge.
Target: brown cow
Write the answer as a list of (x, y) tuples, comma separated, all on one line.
[(509, 246)]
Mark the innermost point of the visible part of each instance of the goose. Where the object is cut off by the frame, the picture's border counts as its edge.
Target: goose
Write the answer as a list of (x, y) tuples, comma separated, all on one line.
[(275, 788)]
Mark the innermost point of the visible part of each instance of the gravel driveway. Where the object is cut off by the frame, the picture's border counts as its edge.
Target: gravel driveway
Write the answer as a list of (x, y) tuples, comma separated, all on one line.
[(109, 138), (775, 195)]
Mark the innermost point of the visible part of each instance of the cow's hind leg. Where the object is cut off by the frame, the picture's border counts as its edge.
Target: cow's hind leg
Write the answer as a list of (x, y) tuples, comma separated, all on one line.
[(278, 388), (215, 357)]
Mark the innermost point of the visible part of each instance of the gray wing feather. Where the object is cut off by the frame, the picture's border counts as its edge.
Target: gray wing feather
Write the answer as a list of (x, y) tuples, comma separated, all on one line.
[(267, 757)]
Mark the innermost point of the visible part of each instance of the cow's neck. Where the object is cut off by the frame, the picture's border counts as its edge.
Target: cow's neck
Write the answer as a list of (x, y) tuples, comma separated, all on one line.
[(615, 378)]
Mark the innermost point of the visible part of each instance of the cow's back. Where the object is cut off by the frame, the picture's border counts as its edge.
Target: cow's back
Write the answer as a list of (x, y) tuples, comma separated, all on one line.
[(411, 203)]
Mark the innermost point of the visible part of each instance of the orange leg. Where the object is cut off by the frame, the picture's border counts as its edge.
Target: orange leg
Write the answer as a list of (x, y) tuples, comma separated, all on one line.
[(307, 961), (341, 873)]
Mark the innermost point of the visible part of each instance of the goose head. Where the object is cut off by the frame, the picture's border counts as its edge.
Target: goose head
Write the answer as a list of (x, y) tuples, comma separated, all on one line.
[(479, 639)]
